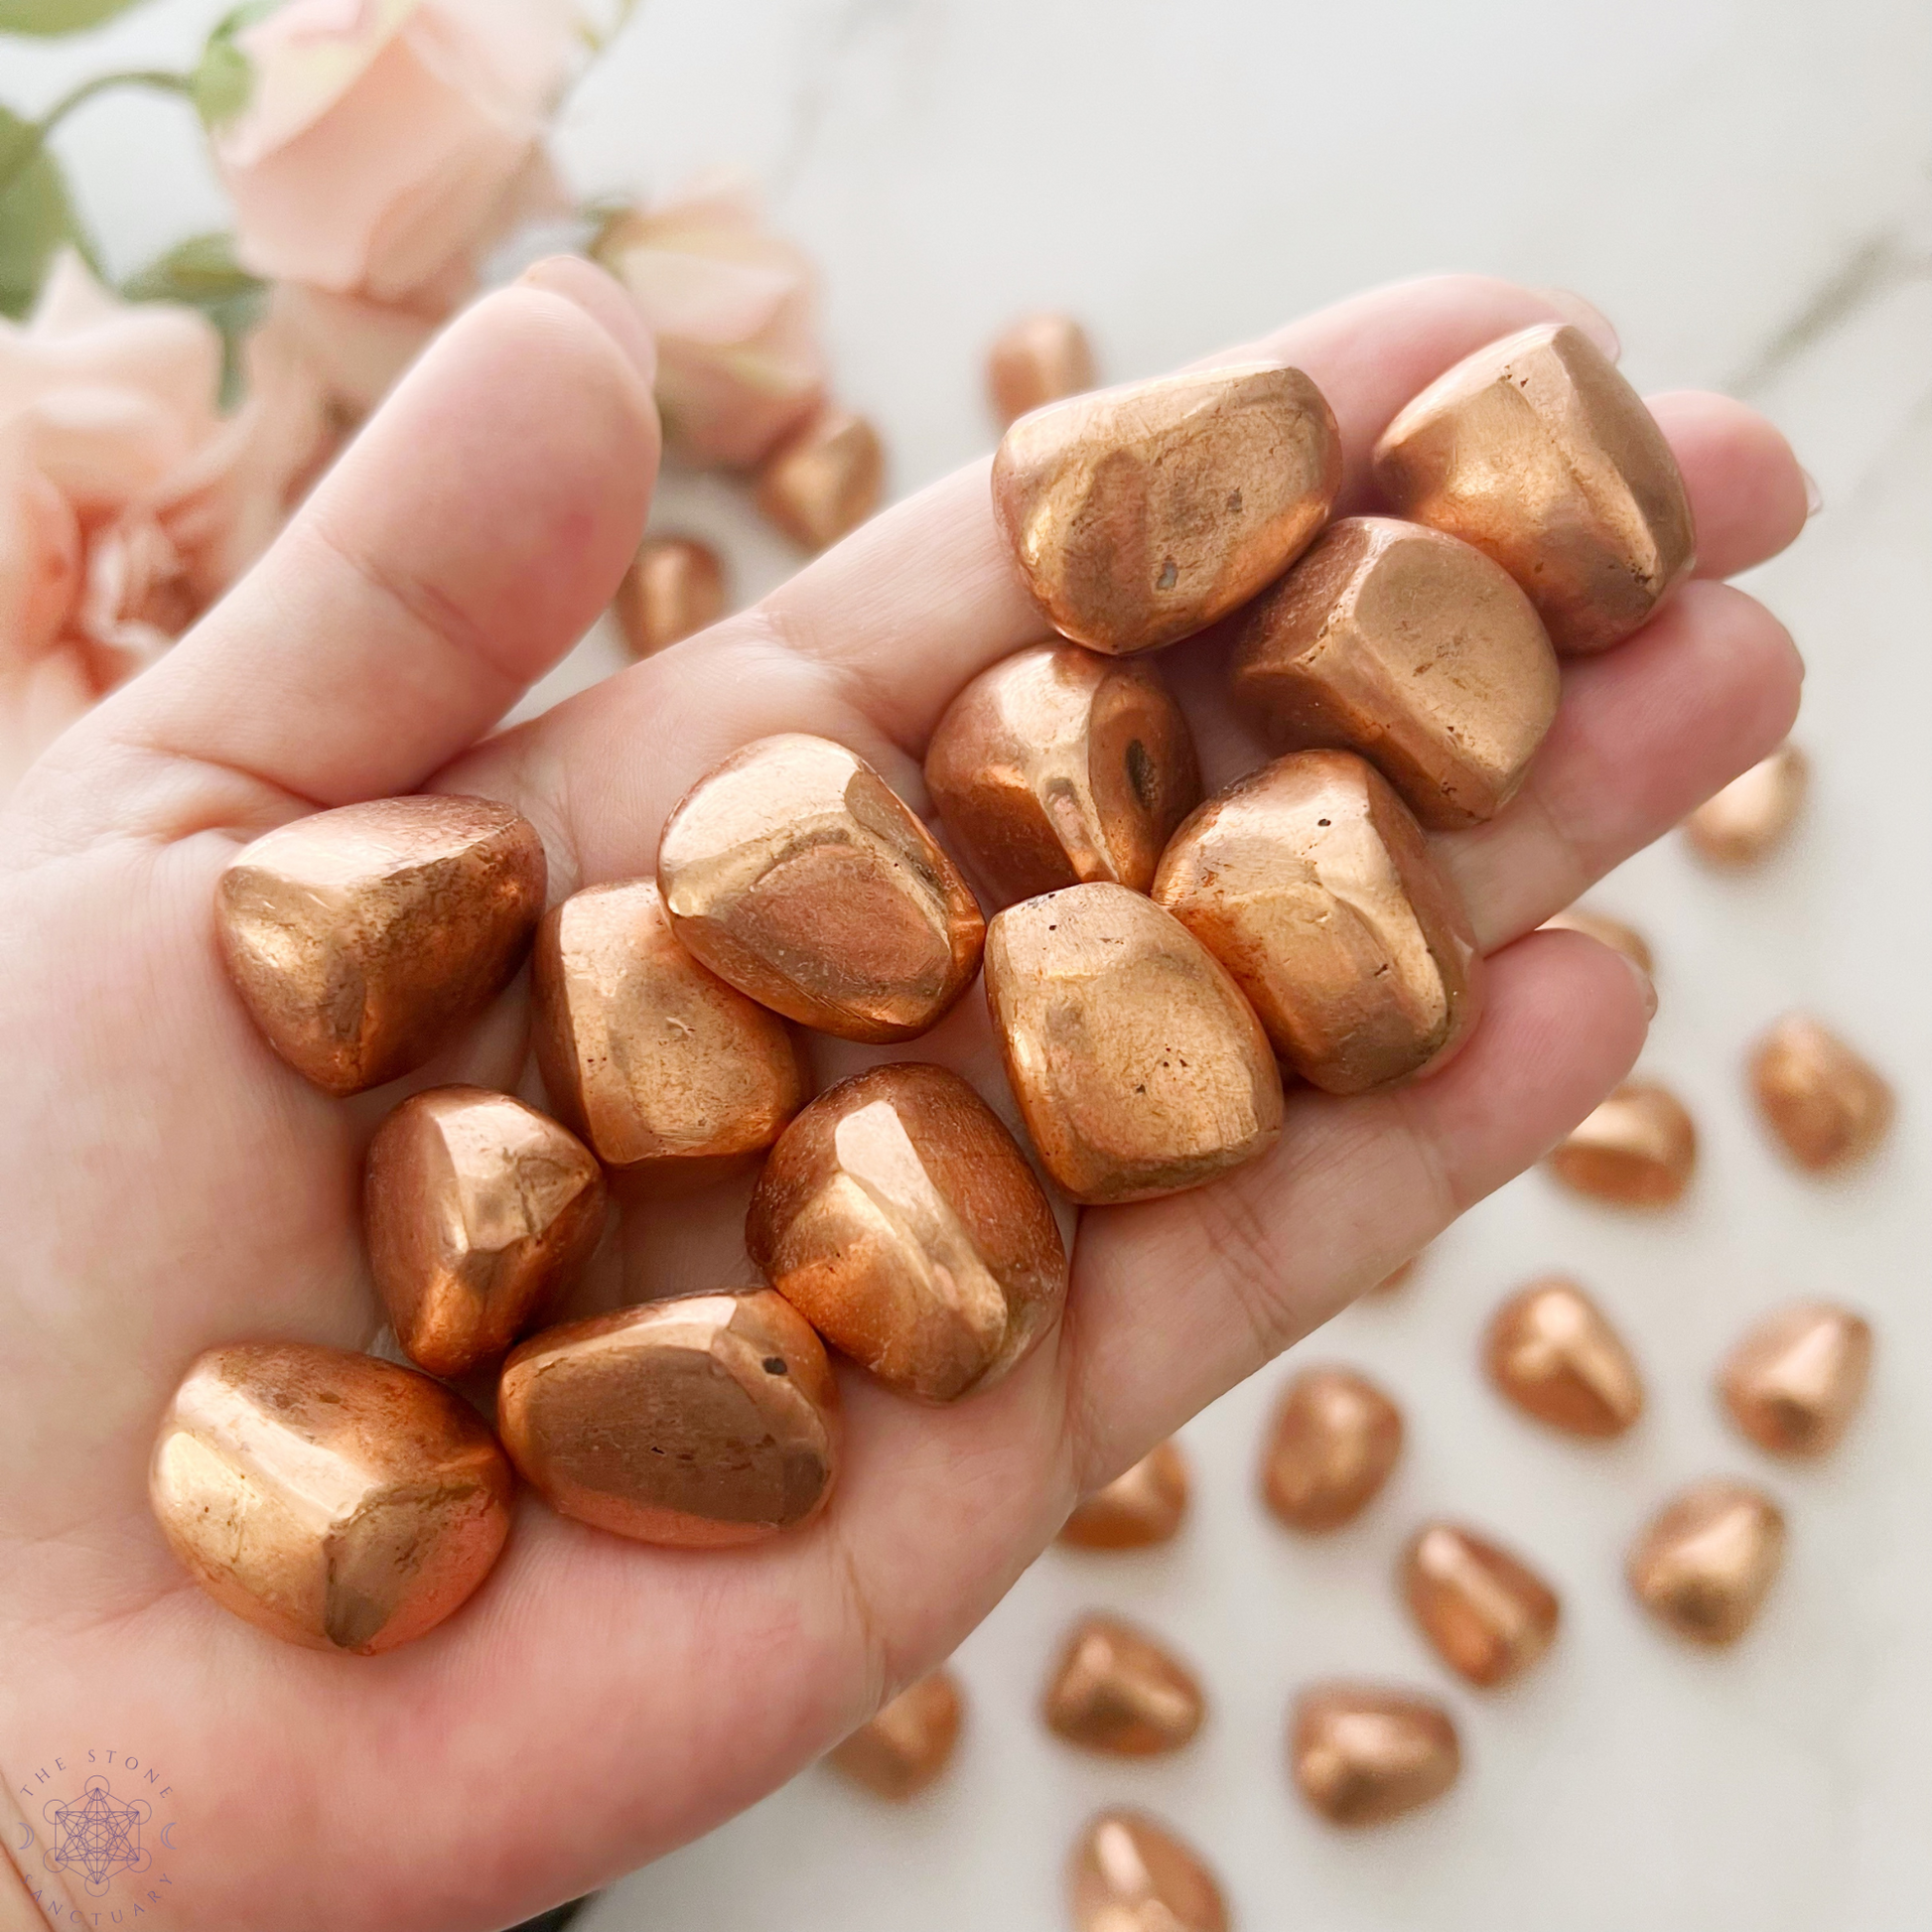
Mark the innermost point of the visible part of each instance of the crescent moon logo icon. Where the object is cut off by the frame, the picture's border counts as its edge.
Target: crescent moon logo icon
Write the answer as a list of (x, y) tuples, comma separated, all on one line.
[(165, 1839), (25, 1837)]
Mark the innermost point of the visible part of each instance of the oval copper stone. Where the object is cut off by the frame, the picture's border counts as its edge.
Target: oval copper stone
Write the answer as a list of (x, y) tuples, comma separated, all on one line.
[(1143, 1505), (1411, 649), (1794, 1383), (675, 585), (331, 1499), (1141, 515), (1537, 450), (704, 1419), (824, 479), (1057, 767), (1489, 1615), (793, 872), (1311, 884), (1637, 1149), (898, 1215), (1606, 931), (1129, 1873), (908, 1744), (1827, 1104), (1335, 1439), (1752, 816), (1705, 1563), (1036, 361), (1139, 1067), (1553, 1354), (479, 1213), (363, 938), (1362, 1756), (1117, 1691)]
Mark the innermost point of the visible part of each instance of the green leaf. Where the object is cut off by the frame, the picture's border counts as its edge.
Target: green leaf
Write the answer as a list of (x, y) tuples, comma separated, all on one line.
[(222, 80), (47, 17), (36, 217), (202, 271)]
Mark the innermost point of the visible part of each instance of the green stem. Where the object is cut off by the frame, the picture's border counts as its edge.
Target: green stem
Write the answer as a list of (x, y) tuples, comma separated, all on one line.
[(34, 136)]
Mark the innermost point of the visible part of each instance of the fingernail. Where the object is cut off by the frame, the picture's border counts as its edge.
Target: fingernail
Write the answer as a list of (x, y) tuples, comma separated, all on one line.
[(1586, 316), (1814, 496), (589, 288), (1645, 984)]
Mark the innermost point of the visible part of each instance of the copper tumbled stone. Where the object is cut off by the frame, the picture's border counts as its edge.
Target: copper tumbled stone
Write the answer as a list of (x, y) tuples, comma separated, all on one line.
[(1057, 767), (1705, 1563), (796, 874), (1129, 1873), (1142, 1506), (908, 1742), (898, 1215), (1552, 1352), (1362, 1756), (1750, 817), (1487, 1614), (704, 1419), (1637, 1149), (1540, 454), (1118, 1690), (363, 938), (1311, 881), (824, 479), (331, 1499), (675, 585), (1139, 1067), (1039, 358), (1827, 1104), (1335, 1439), (1606, 931), (1794, 1383), (479, 1213), (1141, 515), (1411, 649)]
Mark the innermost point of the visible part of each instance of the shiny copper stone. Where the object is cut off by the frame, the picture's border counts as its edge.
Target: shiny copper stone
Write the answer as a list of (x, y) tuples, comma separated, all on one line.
[(1057, 767), (909, 1743), (1794, 1383), (1620, 938), (1141, 515), (792, 872), (1703, 1566), (824, 479), (1038, 360), (704, 1419), (331, 1499), (675, 587), (1311, 884), (1129, 1873), (1637, 1148), (1139, 1067), (1488, 1615), (1552, 1352), (363, 938), (479, 1213), (899, 1218), (1537, 450), (1411, 649), (1749, 819), (1362, 1756), (1143, 1505), (1335, 1439), (664, 1069), (1827, 1104), (1117, 1689)]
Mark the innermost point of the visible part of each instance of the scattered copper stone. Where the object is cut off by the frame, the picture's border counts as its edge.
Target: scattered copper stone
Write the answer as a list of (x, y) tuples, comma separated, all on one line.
[(1118, 1690), (1794, 1383), (1335, 1439), (1039, 358), (1130, 1874), (1362, 1756), (675, 585), (1552, 1352), (908, 1742), (1487, 1614), (1827, 1104), (1142, 1506), (1636, 1149), (1703, 1566), (824, 479), (1750, 818), (1606, 931)]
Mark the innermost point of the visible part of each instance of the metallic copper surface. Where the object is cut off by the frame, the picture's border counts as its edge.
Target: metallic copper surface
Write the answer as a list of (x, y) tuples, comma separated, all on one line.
[(1606, 931), (908, 1742), (1119, 1690), (1311, 884), (1057, 767), (1794, 1383), (363, 938), (1750, 818), (664, 1069), (1827, 1104), (1487, 1614), (899, 1218), (1038, 360), (1139, 1067), (1411, 649), (674, 586), (1540, 454), (1362, 1756), (704, 1419), (479, 1213), (1130, 1874), (331, 1499), (1143, 1505), (824, 479), (1703, 1566), (1138, 515), (1638, 1149), (792, 872), (1336, 1437), (1552, 1352)]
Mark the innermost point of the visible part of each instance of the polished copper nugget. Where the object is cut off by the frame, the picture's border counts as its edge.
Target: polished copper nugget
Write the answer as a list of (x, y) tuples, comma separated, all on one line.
[(1057, 767), (704, 1419), (1552, 1352), (1489, 1615), (1752, 815), (363, 938), (1129, 1873), (824, 479), (1794, 1383), (1827, 1104), (1537, 450), (1703, 1566), (1143, 1505), (1362, 1756), (664, 1069), (331, 1499), (792, 872), (899, 1218), (479, 1213), (1637, 1148), (1139, 1067), (1141, 515), (908, 1742), (1606, 931), (1038, 360), (675, 587), (1311, 884), (1411, 649), (1336, 1437), (1118, 1690)]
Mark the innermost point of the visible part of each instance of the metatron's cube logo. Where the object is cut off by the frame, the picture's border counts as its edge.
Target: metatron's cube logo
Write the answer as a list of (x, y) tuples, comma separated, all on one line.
[(96, 1835)]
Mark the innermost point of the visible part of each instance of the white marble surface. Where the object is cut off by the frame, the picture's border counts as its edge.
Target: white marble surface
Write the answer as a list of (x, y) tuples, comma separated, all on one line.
[(1744, 189)]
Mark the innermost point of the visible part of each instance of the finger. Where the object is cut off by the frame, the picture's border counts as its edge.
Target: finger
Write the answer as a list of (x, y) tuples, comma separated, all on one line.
[(1748, 497)]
